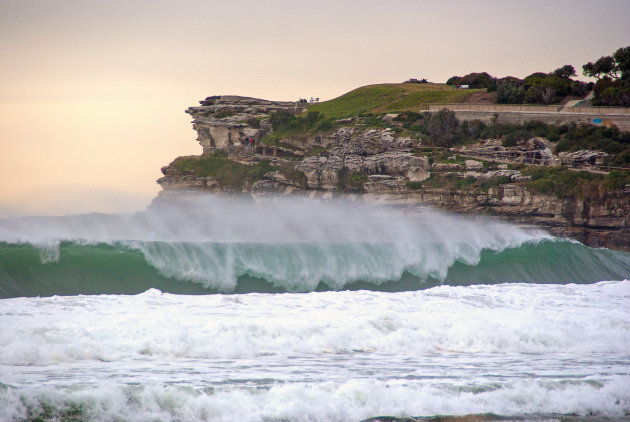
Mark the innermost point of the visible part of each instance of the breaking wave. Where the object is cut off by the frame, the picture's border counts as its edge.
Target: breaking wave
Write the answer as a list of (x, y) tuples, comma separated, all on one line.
[(212, 244)]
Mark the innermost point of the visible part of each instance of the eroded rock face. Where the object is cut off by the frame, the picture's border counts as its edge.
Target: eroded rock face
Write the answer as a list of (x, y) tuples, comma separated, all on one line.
[(228, 120), (347, 141), (445, 167), (322, 172), (473, 165), (583, 157), (533, 151)]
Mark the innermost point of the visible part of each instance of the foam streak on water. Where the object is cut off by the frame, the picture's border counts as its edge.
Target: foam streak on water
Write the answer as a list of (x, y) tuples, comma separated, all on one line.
[(508, 348)]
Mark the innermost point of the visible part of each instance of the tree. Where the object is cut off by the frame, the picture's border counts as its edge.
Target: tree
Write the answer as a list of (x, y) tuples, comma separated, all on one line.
[(622, 58), (548, 95), (565, 72), (510, 93), (473, 80), (613, 78), (281, 120), (442, 127), (604, 66)]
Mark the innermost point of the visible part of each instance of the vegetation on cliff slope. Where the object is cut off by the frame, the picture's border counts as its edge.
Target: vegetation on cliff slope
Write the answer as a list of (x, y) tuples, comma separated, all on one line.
[(443, 129), (562, 181), (559, 181), (285, 124), (350, 181), (226, 171)]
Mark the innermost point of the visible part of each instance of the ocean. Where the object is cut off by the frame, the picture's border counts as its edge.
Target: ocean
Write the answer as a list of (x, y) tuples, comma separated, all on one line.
[(215, 308)]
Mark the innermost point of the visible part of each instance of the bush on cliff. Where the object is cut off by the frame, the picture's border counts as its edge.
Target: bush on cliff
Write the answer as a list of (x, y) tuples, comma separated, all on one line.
[(226, 171), (609, 140), (442, 128), (287, 124), (563, 182), (348, 181), (516, 138), (617, 180)]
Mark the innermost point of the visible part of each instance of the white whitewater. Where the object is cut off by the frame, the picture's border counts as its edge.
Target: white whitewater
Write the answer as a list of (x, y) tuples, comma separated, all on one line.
[(512, 349)]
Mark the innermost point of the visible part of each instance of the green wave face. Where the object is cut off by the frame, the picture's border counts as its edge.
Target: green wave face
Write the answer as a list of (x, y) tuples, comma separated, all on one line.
[(210, 244), (72, 268)]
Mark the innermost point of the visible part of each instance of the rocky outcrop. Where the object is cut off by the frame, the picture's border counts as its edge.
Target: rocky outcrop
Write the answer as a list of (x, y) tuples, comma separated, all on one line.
[(532, 151), (228, 120), (322, 172), (388, 170), (583, 157)]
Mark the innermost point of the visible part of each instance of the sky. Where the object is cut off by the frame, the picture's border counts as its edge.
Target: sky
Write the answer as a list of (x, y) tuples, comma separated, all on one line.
[(93, 93)]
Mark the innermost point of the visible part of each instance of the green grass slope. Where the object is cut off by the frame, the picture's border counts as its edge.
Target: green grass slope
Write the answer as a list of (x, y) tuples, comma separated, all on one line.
[(384, 98)]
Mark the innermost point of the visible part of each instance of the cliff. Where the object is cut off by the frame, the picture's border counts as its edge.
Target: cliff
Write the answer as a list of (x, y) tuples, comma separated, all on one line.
[(382, 165), (223, 121)]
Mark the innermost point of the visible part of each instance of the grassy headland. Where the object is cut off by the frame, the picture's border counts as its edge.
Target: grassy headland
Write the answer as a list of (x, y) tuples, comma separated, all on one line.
[(384, 98)]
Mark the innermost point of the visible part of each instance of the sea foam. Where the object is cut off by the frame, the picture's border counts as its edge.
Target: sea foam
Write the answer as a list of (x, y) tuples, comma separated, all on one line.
[(512, 349)]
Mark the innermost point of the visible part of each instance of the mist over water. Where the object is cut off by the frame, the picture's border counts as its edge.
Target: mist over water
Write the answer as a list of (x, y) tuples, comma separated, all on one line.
[(216, 218)]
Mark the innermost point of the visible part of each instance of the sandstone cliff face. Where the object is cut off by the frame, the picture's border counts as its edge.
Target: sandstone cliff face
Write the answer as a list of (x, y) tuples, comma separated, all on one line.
[(388, 166), (228, 120), (369, 152)]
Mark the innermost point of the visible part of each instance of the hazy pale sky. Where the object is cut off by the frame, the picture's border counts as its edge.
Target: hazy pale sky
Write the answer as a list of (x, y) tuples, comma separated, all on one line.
[(93, 93)]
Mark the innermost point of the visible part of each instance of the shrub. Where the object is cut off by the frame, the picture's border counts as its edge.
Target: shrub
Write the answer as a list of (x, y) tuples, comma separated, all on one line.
[(510, 93), (617, 180), (227, 172), (562, 181), (442, 127), (621, 160), (494, 181), (536, 127), (464, 183), (474, 80), (514, 139), (350, 182), (552, 133), (286, 123), (316, 151), (225, 113), (281, 120), (325, 125)]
